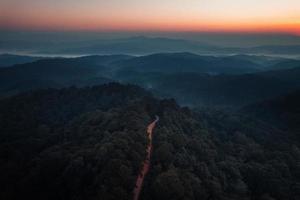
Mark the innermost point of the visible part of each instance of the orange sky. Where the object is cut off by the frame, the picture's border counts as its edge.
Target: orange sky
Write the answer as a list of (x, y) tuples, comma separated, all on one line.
[(154, 15)]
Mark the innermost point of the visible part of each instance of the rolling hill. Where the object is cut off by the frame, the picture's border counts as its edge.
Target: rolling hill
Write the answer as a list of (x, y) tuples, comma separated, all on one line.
[(196, 89), (283, 111), (190, 78), (188, 62), (7, 60), (56, 72)]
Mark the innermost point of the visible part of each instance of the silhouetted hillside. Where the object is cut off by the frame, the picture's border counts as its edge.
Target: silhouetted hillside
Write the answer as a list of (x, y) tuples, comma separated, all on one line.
[(288, 64), (278, 49), (7, 60), (289, 75), (283, 111), (222, 90), (53, 73), (187, 62), (191, 79), (268, 62)]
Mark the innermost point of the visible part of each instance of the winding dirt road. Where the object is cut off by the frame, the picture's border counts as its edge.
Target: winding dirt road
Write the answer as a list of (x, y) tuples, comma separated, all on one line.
[(146, 164)]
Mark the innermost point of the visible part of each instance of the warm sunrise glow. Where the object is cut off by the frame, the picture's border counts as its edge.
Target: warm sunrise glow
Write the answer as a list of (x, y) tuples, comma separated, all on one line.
[(156, 15)]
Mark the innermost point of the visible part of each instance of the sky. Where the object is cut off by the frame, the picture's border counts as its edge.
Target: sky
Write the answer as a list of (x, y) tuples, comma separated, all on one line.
[(281, 16)]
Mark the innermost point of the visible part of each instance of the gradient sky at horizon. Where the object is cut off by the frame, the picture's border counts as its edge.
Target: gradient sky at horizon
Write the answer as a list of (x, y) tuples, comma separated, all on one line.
[(156, 15)]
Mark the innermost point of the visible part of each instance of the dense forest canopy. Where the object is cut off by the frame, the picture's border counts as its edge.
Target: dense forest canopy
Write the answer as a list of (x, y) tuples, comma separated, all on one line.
[(89, 143)]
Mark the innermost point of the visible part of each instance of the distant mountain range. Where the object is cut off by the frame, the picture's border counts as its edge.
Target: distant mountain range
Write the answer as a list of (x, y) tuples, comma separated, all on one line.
[(184, 60), (148, 45)]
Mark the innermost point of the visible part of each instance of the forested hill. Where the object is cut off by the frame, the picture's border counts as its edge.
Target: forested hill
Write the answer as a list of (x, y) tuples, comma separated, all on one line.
[(53, 106), (283, 111), (194, 80), (89, 144), (214, 155), (73, 143)]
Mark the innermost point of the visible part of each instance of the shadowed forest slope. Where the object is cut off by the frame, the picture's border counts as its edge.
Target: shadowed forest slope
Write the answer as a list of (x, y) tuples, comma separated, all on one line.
[(89, 143)]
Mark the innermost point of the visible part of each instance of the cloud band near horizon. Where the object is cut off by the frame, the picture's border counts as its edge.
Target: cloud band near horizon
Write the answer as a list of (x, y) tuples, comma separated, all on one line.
[(155, 15)]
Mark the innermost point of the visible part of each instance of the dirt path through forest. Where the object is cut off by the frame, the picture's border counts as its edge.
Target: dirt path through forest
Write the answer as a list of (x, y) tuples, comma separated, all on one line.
[(146, 163)]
